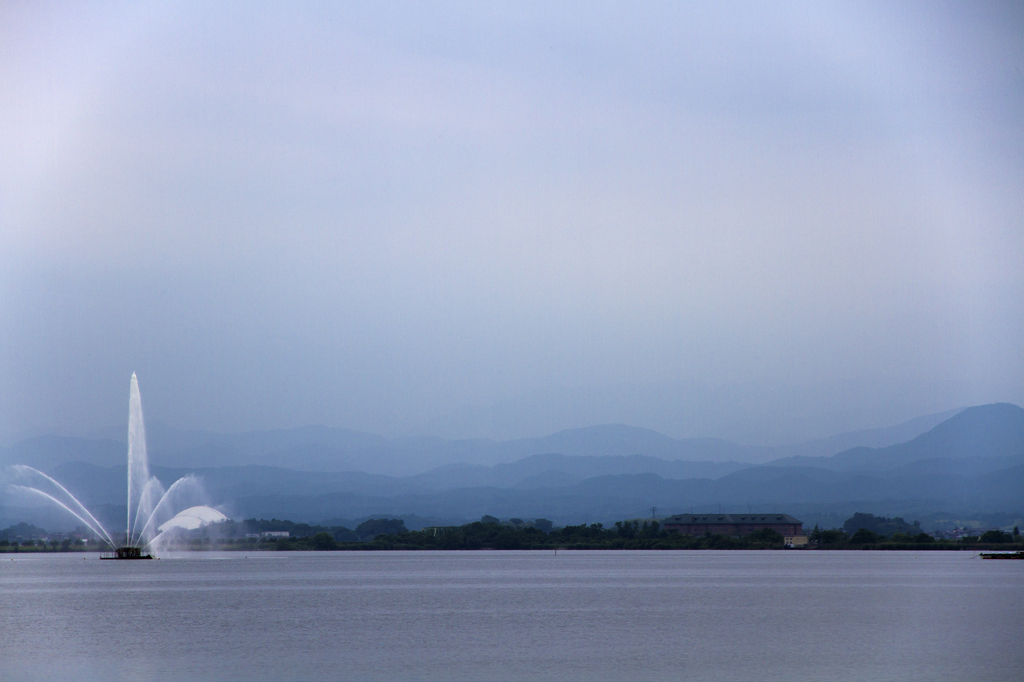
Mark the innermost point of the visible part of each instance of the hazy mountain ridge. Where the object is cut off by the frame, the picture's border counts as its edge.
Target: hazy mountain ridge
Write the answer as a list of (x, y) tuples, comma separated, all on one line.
[(607, 498), (981, 432), (105, 485), (47, 452), (318, 448), (575, 467), (971, 461)]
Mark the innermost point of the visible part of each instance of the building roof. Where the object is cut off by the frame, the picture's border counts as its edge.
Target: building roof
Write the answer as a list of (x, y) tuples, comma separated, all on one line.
[(730, 519)]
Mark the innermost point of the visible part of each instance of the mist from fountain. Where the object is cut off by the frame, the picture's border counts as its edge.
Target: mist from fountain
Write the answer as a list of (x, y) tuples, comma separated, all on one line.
[(184, 493), (150, 507)]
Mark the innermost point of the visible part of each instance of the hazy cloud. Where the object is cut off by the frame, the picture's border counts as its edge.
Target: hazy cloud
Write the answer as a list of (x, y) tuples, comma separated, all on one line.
[(395, 217)]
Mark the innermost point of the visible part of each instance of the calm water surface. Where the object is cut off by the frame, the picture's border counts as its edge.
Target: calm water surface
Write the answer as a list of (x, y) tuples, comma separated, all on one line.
[(513, 616)]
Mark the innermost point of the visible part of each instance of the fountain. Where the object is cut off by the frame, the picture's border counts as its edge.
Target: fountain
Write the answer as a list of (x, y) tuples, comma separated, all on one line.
[(151, 509)]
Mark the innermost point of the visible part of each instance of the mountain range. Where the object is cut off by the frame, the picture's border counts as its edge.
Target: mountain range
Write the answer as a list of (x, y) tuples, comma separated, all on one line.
[(969, 461), (319, 448)]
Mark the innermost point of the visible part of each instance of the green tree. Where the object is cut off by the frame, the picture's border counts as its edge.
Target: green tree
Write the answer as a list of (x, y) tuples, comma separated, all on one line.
[(507, 538), (342, 534), (996, 536), (368, 530), (627, 529), (323, 542), (881, 525), (651, 530), (864, 537), (831, 537)]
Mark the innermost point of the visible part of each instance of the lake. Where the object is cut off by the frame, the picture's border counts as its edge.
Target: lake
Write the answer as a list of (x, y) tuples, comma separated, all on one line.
[(509, 616)]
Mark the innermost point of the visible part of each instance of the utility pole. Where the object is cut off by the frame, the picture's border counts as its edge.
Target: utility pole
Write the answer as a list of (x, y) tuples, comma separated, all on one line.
[(654, 512)]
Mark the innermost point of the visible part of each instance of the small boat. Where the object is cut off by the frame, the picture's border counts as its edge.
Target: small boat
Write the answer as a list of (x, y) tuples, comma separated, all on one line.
[(1002, 555)]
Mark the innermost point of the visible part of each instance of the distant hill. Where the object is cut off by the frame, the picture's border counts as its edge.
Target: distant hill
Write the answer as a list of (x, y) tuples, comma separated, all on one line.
[(318, 448), (620, 440), (976, 433), (608, 498), (105, 485), (876, 438), (974, 460), (558, 469), (47, 452)]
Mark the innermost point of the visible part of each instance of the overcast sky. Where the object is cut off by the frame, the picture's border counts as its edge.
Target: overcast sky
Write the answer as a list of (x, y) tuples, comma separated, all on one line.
[(396, 217)]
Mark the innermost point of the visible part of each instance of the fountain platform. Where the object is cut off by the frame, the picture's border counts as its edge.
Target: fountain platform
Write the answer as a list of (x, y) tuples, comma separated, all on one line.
[(126, 553)]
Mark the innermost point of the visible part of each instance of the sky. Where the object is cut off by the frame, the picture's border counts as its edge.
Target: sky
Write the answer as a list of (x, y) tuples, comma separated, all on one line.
[(759, 221)]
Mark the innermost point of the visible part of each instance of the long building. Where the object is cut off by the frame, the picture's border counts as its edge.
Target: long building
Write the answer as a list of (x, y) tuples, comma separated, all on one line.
[(733, 524)]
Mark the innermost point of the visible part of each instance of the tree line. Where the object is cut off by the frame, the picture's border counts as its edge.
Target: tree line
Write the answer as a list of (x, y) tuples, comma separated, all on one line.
[(487, 534), (490, 533), (862, 531)]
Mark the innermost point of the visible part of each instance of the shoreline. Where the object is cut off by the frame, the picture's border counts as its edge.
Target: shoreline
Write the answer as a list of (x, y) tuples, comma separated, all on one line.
[(401, 547)]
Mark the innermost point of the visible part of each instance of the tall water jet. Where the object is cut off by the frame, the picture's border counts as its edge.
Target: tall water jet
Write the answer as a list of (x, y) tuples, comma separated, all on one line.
[(138, 463)]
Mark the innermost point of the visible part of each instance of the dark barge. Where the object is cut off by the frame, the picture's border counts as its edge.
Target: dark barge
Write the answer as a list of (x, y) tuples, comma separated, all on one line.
[(1002, 555), (126, 553)]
